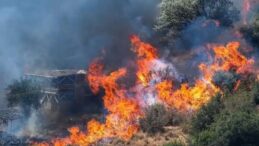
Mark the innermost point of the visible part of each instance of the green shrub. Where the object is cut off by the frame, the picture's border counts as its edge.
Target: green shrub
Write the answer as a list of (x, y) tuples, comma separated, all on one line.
[(176, 117), (241, 100), (256, 93), (226, 81), (206, 116), (156, 117), (235, 124), (174, 143), (231, 129)]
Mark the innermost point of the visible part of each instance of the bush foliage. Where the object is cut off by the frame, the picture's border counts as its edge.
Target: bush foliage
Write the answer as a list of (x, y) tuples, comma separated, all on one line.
[(175, 15), (226, 81), (235, 123), (206, 116), (174, 143), (251, 31), (156, 117)]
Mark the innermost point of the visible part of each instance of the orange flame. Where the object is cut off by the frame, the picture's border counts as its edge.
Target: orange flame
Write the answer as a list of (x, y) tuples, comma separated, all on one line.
[(191, 98), (146, 53), (124, 111)]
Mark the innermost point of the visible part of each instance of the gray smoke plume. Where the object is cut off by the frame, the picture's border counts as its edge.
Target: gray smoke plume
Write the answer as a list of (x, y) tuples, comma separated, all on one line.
[(65, 34)]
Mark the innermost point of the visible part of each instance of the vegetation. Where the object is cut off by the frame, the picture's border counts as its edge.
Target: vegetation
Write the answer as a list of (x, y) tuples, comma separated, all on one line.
[(229, 119), (235, 123), (24, 93), (174, 143), (226, 81), (175, 15), (251, 32), (156, 118), (221, 10), (206, 116)]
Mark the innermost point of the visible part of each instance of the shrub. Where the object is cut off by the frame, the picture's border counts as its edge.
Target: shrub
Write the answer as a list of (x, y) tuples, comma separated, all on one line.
[(256, 93), (174, 143), (226, 81), (156, 117), (231, 129), (241, 100), (176, 117), (236, 124), (251, 31), (222, 10), (206, 116)]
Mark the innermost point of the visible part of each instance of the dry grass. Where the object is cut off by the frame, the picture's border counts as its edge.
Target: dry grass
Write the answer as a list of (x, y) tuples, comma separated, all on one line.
[(144, 139)]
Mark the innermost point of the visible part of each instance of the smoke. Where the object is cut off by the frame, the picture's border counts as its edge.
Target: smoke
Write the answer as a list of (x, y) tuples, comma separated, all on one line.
[(24, 126), (65, 34)]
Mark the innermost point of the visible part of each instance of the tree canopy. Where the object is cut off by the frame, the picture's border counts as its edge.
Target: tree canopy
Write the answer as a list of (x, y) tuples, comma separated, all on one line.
[(175, 15)]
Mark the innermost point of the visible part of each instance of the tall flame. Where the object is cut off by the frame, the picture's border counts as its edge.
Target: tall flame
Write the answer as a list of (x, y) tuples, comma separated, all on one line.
[(146, 54), (124, 106)]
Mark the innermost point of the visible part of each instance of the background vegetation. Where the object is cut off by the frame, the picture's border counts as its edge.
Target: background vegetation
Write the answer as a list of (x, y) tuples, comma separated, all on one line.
[(24, 93)]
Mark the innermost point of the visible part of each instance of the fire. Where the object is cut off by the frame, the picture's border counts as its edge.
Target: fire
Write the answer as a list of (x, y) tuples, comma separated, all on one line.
[(95, 75), (123, 111), (191, 98), (124, 106), (146, 54)]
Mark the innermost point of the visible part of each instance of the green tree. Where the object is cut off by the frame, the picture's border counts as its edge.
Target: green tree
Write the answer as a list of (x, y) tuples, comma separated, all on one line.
[(222, 10), (175, 15)]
